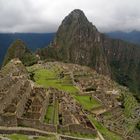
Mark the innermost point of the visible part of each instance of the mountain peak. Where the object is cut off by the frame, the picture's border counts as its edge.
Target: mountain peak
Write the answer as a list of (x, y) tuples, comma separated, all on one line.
[(77, 12), (76, 38), (76, 15)]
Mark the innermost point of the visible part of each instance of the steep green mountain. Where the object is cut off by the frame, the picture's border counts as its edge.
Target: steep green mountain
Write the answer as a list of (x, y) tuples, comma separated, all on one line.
[(78, 41), (124, 59), (19, 50), (33, 40)]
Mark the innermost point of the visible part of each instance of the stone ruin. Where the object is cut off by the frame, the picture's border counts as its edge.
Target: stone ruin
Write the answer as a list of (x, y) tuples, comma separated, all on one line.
[(35, 106), (99, 87), (115, 121), (19, 98), (14, 91), (71, 116), (24, 104)]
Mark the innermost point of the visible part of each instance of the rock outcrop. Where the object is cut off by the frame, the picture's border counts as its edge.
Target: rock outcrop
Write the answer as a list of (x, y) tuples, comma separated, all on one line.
[(78, 41)]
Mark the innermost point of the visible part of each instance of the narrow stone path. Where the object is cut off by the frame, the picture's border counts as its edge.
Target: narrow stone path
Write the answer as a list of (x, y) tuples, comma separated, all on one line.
[(28, 131)]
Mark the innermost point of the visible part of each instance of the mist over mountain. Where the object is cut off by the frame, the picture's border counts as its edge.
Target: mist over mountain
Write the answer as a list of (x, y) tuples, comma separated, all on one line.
[(33, 41), (133, 37)]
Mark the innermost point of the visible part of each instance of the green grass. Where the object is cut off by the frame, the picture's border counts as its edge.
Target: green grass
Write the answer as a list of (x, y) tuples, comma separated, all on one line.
[(129, 108), (18, 137), (46, 138), (86, 102), (78, 135), (52, 114), (25, 137), (107, 115), (49, 114), (56, 120), (108, 135), (49, 78)]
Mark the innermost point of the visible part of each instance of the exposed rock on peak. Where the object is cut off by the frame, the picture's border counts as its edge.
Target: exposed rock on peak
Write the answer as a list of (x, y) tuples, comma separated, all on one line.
[(77, 11), (75, 15), (78, 41)]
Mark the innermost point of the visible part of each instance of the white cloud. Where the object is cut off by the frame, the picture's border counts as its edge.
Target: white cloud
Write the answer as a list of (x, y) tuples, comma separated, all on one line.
[(46, 15)]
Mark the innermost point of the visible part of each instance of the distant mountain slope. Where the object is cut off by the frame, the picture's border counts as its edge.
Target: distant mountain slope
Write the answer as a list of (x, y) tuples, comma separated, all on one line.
[(18, 49), (133, 36), (33, 41)]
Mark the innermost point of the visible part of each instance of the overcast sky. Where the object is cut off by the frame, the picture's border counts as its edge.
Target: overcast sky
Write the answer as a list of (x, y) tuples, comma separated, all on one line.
[(46, 15)]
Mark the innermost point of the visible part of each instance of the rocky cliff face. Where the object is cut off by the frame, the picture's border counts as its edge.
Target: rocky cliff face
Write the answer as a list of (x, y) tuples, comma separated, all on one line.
[(78, 41), (19, 50)]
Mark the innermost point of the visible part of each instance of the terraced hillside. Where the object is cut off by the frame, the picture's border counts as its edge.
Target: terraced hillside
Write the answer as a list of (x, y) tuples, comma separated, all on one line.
[(95, 95), (54, 100)]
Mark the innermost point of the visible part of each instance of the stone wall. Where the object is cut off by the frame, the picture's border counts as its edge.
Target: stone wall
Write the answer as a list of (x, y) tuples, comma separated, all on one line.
[(23, 131), (21, 105), (63, 129), (83, 130), (77, 128), (9, 95), (44, 108), (8, 120), (36, 124)]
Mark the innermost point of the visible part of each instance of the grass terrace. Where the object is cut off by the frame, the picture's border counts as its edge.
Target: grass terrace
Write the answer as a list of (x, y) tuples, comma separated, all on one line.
[(50, 78), (25, 137), (108, 135), (78, 135), (86, 102), (49, 114)]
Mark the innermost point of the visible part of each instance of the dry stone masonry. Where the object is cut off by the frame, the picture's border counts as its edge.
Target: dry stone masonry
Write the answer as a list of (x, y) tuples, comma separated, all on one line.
[(24, 104)]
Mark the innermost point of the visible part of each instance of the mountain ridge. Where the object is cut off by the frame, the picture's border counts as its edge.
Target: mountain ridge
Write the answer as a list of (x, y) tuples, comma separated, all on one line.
[(18, 49), (132, 37), (33, 40)]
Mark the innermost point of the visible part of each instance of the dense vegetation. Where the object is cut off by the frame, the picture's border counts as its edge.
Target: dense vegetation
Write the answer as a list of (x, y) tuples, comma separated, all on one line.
[(33, 40), (130, 105), (19, 50), (124, 60), (104, 131)]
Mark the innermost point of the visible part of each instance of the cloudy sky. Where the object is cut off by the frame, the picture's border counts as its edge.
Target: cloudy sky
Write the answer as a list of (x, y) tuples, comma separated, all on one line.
[(46, 15)]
